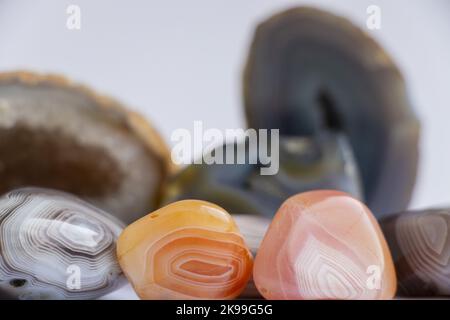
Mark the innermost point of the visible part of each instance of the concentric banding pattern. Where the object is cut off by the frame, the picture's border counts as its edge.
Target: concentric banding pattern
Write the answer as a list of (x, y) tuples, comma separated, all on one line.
[(327, 265), (323, 271), (197, 263), (423, 238), (324, 245), (47, 239)]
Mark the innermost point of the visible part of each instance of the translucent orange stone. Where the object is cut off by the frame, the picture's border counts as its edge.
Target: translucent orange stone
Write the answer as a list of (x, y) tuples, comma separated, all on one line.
[(187, 250), (324, 245)]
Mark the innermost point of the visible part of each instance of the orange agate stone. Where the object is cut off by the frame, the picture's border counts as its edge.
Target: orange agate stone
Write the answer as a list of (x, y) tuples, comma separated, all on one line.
[(187, 250), (324, 245)]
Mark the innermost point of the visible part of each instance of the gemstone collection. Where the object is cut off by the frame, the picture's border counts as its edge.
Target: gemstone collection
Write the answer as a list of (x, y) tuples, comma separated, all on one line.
[(91, 198)]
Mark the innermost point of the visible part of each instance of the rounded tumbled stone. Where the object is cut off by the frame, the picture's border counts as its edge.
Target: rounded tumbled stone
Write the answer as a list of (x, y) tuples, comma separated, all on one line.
[(420, 245), (324, 245), (56, 246), (189, 249)]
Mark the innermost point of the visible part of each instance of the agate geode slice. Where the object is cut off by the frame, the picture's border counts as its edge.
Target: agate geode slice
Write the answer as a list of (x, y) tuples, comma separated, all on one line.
[(321, 162), (59, 135), (309, 70), (56, 246), (420, 245)]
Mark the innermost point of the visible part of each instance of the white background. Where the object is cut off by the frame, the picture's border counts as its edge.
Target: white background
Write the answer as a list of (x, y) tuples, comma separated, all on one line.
[(180, 61)]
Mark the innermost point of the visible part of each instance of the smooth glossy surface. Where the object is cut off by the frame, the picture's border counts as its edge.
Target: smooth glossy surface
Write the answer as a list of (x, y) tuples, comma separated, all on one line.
[(56, 246), (187, 250), (324, 245), (420, 245), (322, 162), (309, 70)]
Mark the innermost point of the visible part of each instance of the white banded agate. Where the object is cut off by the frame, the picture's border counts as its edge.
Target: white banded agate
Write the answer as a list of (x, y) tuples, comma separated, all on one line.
[(56, 246)]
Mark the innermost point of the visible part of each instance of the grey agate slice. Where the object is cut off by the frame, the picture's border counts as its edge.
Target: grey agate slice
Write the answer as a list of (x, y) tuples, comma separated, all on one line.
[(56, 246), (323, 162), (309, 70), (420, 245)]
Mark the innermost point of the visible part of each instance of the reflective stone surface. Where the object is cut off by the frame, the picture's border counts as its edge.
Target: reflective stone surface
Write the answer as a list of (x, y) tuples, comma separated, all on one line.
[(420, 245), (56, 246), (187, 250), (324, 245)]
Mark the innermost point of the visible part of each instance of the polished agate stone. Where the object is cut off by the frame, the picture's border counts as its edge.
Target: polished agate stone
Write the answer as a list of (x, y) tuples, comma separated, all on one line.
[(420, 245), (253, 228), (189, 249), (60, 135), (56, 246), (324, 245), (322, 162), (310, 71)]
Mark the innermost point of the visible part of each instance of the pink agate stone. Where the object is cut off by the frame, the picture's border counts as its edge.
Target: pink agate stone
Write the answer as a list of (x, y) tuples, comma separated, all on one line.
[(324, 245)]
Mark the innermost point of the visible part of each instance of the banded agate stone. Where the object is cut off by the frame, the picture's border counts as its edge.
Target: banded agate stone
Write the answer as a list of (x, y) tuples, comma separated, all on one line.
[(324, 245), (56, 246), (420, 245), (189, 249)]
